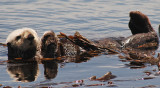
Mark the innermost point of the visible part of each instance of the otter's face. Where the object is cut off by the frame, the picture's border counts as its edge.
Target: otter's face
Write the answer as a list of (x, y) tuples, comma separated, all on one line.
[(22, 41)]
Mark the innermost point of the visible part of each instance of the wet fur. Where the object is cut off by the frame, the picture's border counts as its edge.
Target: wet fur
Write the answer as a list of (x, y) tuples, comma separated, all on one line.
[(144, 37), (49, 45), (52, 46), (139, 23)]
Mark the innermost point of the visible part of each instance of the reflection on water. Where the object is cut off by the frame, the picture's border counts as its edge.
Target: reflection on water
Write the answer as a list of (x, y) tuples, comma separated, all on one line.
[(50, 69), (24, 72), (29, 71)]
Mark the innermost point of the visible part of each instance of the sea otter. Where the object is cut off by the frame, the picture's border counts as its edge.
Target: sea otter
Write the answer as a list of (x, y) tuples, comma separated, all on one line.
[(144, 37), (22, 43)]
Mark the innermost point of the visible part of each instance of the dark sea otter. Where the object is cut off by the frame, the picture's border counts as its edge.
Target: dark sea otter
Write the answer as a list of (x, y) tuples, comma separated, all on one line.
[(144, 37)]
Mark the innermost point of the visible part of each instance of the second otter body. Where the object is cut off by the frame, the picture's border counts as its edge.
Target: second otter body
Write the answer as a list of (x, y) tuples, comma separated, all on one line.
[(144, 36)]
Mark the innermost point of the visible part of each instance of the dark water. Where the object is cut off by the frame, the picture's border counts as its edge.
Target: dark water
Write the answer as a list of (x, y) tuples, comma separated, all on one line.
[(92, 18)]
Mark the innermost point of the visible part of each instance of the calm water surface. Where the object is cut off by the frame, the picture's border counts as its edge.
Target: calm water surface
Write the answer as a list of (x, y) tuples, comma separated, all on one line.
[(92, 18)]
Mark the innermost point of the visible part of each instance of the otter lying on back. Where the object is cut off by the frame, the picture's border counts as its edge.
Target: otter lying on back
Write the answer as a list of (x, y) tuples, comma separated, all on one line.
[(144, 38), (22, 43)]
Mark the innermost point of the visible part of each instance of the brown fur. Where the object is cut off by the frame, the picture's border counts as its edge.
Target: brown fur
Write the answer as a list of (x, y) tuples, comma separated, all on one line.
[(139, 23)]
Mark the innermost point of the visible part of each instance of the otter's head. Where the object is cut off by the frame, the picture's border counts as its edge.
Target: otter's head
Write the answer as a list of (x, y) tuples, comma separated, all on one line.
[(22, 43), (49, 44), (139, 23)]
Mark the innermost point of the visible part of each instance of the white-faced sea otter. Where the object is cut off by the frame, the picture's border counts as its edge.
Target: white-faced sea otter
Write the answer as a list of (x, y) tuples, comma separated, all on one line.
[(22, 43)]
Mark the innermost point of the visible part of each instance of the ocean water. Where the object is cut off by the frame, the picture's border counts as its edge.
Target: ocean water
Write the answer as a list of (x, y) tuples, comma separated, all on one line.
[(94, 19)]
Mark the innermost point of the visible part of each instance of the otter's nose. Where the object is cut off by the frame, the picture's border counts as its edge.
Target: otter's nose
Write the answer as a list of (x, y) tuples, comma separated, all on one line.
[(30, 37)]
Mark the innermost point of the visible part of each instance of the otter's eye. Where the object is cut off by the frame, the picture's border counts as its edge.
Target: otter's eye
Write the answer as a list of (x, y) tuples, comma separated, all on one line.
[(18, 37)]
